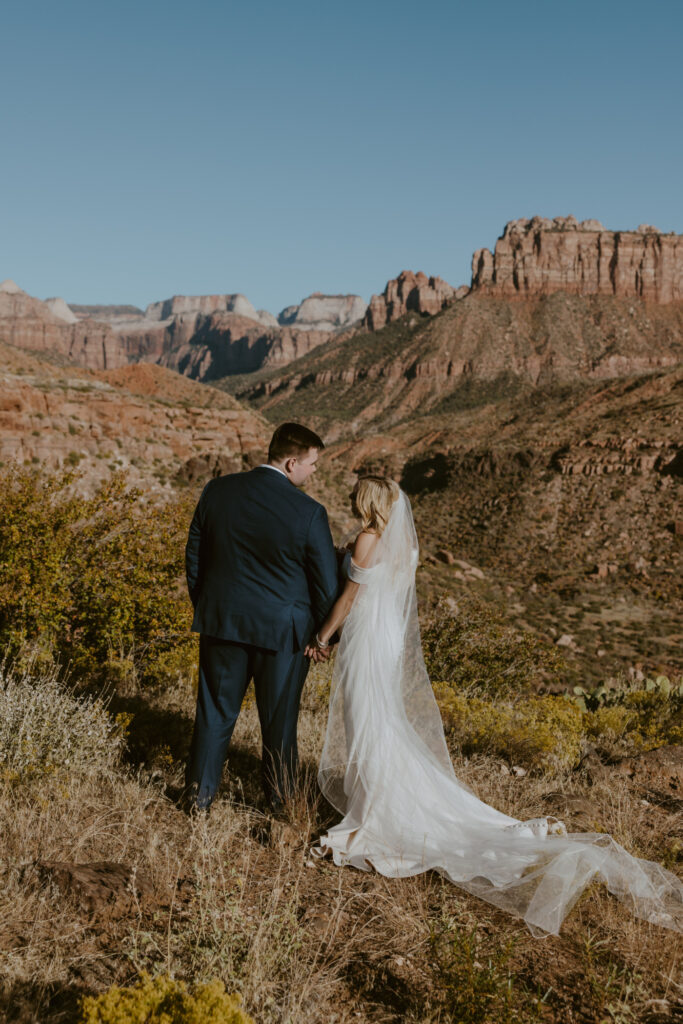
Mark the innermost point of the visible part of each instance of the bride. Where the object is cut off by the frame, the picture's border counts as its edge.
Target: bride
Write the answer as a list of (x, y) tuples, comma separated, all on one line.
[(385, 766)]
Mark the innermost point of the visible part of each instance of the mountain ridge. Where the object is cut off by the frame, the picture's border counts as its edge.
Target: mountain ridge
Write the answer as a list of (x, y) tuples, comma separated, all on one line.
[(478, 342), (535, 262)]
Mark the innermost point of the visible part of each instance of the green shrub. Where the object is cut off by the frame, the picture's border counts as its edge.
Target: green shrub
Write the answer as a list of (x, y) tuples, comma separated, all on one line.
[(617, 691), (625, 717), (45, 729), (98, 580), (477, 648), (163, 1000), (538, 732), (642, 720), (475, 979), (550, 733)]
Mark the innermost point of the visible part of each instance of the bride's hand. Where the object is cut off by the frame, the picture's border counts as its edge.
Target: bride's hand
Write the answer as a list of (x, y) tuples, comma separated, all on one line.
[(315, 654)]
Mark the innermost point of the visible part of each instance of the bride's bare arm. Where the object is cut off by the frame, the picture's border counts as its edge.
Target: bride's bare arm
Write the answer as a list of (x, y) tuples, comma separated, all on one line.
[(362, 552), (340, 609)]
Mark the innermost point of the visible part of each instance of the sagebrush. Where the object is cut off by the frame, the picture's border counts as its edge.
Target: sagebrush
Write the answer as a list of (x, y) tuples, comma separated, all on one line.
[(46, 729)]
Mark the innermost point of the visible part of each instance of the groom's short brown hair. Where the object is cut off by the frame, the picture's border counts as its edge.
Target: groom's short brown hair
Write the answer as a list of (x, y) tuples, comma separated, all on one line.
[(292, 439)]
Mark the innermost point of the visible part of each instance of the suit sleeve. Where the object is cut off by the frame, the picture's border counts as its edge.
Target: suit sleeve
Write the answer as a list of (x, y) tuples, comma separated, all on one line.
[(344, 565), (193, 548), (321, 566)]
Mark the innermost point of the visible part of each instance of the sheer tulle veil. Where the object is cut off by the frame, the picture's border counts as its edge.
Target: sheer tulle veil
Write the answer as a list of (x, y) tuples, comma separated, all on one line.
[(385, 767), (389, 599)]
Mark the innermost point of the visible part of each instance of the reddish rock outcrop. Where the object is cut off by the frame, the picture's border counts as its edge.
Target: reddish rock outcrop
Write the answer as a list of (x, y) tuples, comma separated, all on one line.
[(201, 345), (211, 336), (29, 323), (406, 293), (140, 419), (539, 256), (223, 344)]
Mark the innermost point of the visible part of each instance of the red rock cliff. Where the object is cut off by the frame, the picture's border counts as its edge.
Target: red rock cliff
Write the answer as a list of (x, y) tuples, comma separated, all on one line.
[(405, 293), (539, 256), (29, 323)]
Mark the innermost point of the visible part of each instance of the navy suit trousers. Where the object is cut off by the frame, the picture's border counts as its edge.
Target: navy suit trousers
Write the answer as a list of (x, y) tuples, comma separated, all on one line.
[(225, 669)]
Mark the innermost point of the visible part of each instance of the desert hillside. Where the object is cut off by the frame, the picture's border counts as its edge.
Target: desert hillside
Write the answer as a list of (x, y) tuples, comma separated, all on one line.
[(201, 336), (568, 502), (479, 347), (210, 336), (535, 421), (142, 420)]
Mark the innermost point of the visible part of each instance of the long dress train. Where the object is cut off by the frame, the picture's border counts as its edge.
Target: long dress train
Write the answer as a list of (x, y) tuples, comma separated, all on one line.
[(386, 768)]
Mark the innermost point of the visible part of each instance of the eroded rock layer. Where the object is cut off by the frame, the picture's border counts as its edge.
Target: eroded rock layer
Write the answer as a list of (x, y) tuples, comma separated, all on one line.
[(31, 324), (539, 256), (407, 293), (142, 420)]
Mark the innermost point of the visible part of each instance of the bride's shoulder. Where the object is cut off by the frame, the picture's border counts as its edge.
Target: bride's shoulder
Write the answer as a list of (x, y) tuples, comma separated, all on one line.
[(363, 547)]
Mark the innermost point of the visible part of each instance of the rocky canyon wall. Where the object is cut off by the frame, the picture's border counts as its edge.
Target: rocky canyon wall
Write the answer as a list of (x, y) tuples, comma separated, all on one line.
[(224, 343), (407, 293), (539, 256), (28, 323), (203, 337), (206, 305), (211, 336), (324, 312), (207, 337)]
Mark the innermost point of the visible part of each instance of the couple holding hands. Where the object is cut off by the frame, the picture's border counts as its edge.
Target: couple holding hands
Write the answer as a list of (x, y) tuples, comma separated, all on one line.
[(270, 594)]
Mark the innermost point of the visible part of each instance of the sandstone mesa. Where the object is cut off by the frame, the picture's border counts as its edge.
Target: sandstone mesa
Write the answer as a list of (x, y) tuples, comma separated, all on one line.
[(540, 256)]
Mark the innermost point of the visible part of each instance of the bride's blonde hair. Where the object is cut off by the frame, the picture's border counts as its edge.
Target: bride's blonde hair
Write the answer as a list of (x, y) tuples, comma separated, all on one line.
[(374, 500)]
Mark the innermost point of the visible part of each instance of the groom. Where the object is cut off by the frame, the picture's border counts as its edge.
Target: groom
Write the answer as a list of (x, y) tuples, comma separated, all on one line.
[(262, 575)]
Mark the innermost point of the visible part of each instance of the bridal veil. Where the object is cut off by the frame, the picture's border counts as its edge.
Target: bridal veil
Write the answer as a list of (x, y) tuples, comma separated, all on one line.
[(385, 767)]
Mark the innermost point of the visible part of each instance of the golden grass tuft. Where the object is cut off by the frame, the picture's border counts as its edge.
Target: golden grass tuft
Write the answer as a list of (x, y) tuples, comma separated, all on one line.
[(235, 898)]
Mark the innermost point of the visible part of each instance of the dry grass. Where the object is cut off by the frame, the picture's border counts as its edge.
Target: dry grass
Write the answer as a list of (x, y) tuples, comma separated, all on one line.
[(235, 896)]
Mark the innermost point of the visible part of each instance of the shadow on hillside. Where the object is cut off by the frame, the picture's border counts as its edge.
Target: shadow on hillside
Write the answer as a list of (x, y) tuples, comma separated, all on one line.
[(430, 474), (54, 1003), (158, 739), (152, 729)]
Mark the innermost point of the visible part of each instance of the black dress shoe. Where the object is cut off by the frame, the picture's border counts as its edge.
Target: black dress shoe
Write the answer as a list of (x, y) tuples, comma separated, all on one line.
[(189, 804), (278, 810), (197, 813)]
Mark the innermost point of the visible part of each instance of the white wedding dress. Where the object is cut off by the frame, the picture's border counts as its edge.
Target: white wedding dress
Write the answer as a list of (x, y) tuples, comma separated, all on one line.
[(386, 768)]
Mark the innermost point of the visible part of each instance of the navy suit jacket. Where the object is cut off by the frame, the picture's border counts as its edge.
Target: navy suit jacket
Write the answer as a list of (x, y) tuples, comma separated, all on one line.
[(261, 565)]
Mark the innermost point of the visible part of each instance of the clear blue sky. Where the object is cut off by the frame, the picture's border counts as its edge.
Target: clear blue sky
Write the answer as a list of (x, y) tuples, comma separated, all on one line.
[(281, 148)]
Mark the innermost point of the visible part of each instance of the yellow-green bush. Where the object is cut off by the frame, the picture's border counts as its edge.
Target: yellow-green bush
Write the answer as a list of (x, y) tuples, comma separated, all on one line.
[(539, 732), (550, 733), (643, 720), (97, 580), (477, 648), (164, 1001)]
